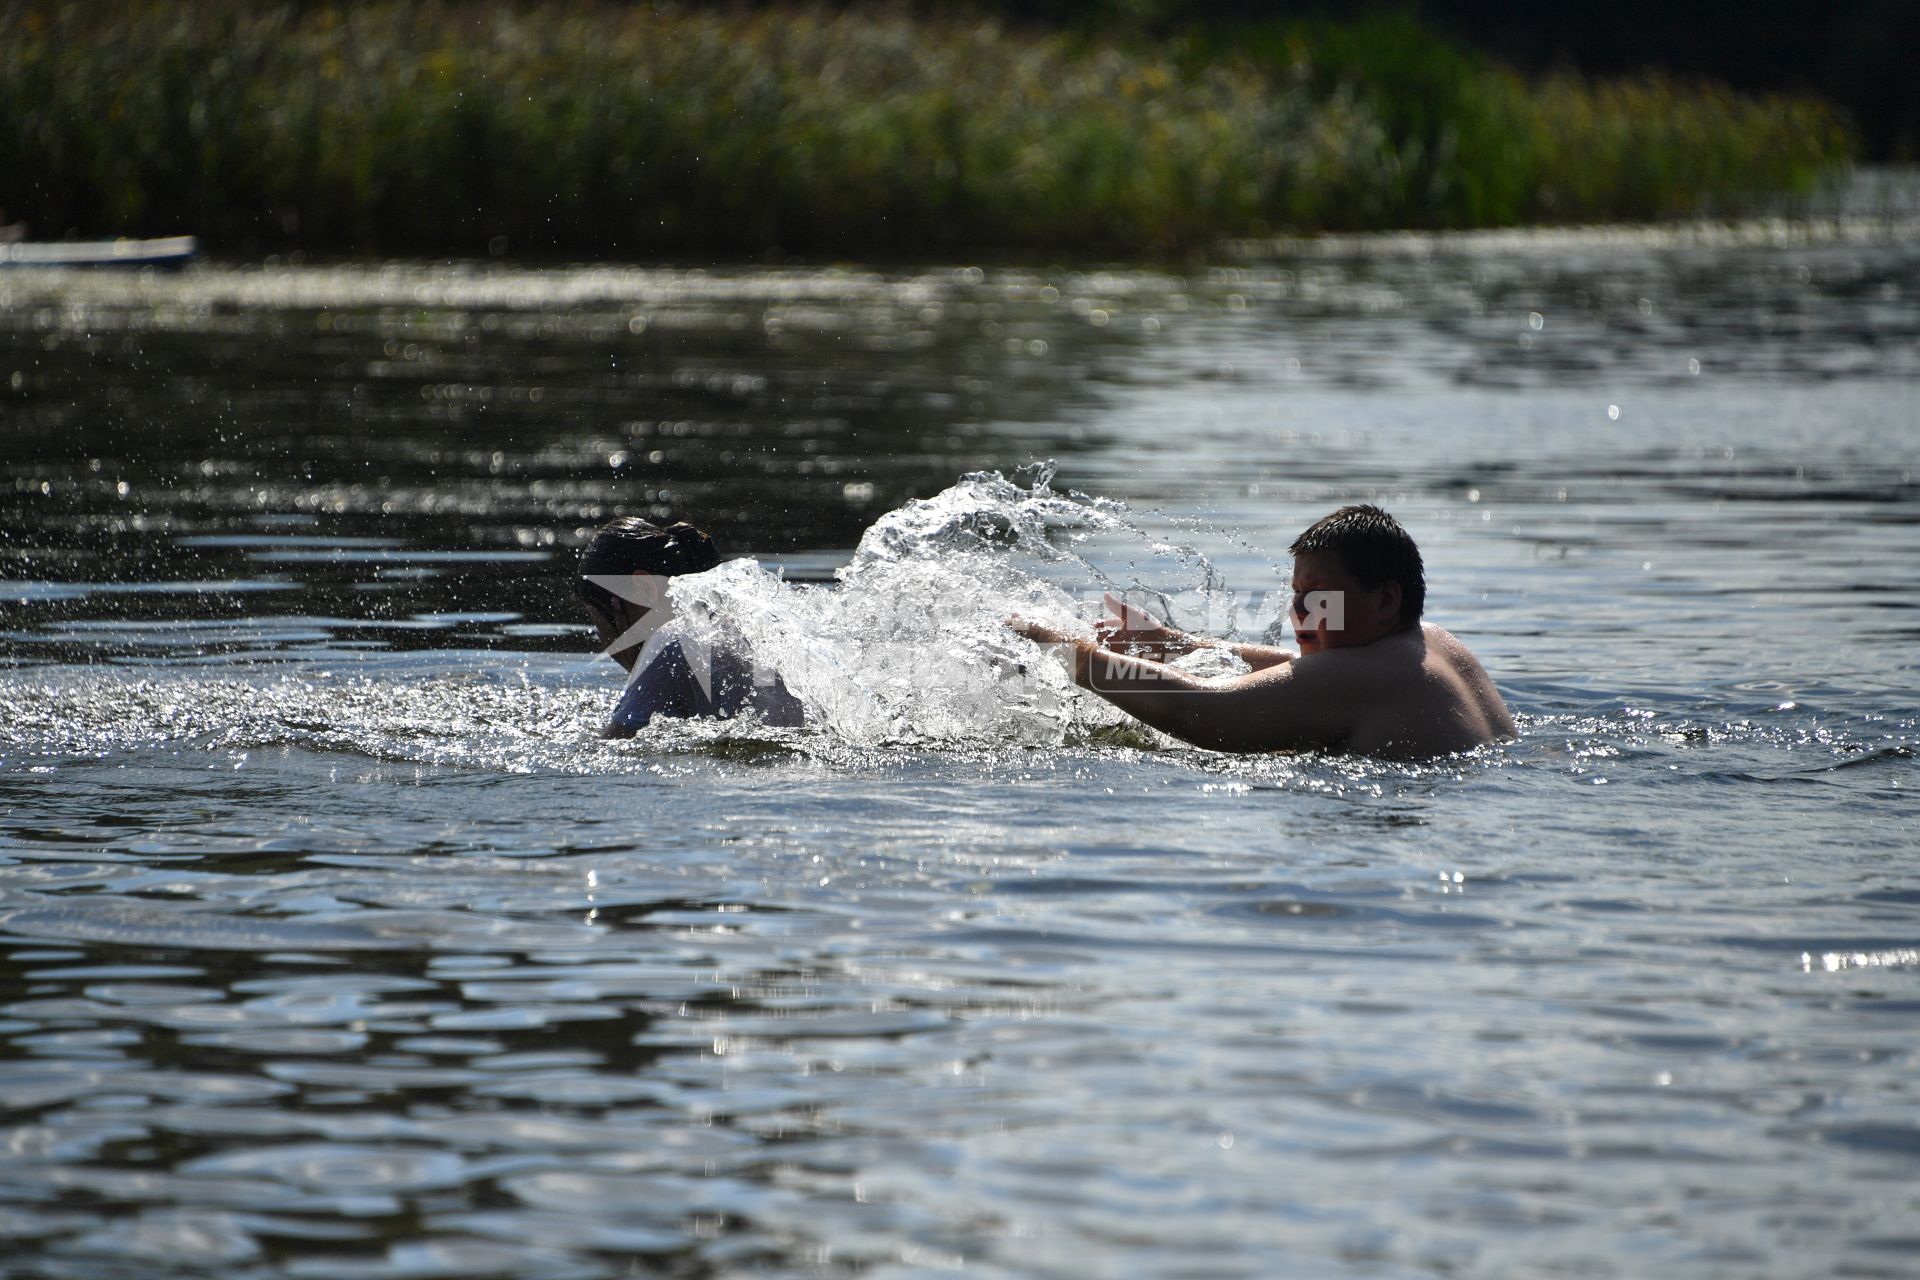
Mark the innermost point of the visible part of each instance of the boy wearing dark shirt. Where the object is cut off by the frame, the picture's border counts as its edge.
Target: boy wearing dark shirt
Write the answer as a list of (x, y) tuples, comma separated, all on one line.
[(622, 583)]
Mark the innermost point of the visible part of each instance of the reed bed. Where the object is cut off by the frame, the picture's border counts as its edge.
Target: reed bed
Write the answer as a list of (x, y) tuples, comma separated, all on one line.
[(1463, 142), (397, 126)]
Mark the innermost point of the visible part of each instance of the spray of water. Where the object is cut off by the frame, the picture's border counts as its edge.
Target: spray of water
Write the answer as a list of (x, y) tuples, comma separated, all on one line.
[(909, 643)]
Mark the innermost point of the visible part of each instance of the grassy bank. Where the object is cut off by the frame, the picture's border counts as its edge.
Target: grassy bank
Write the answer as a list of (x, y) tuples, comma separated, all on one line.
[(406, 127)]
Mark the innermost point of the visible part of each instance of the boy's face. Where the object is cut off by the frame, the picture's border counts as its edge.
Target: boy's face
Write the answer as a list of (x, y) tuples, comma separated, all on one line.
[(624, 625), (1350, 615)]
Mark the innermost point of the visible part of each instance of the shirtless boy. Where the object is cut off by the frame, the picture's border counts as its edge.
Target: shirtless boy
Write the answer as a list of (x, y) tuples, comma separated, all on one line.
[(1370, 677)]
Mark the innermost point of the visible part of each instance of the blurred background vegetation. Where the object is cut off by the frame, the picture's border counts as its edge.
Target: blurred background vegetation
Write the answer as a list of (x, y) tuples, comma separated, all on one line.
[(1085, 127), (1860, 55)]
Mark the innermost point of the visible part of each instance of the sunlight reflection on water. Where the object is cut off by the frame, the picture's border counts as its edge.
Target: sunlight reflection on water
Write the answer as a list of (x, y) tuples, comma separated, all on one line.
[(337, 943)]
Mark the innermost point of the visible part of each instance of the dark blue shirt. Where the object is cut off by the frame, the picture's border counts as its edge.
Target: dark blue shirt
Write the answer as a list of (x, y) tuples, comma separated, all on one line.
[(667, 687)]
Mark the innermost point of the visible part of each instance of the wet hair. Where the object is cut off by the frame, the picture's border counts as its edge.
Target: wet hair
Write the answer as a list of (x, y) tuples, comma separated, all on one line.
[(1375, 549), (629, 544)]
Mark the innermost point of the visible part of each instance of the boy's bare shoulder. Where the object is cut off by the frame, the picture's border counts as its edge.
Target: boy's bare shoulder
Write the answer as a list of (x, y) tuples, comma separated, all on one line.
[(1440, 638), (1443, 646), (1416, 694), (1488, 710)]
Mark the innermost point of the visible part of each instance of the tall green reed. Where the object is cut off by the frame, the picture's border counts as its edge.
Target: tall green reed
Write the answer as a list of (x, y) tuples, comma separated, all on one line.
[(1460, 141), (402, 125)]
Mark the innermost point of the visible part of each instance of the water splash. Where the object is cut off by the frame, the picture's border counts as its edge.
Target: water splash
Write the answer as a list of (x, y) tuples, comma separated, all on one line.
[(907, 647), (909, 643)]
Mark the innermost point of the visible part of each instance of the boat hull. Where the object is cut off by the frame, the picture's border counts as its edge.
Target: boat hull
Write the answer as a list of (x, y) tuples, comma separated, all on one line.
[(164, 251)]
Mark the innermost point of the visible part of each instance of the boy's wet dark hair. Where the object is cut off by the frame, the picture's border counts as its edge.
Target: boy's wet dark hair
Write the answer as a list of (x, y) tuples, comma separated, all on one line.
[(1375, 549), (629, 544)]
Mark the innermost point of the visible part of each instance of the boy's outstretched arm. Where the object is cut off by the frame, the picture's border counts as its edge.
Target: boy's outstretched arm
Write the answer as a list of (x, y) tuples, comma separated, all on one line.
[(1273, 709)]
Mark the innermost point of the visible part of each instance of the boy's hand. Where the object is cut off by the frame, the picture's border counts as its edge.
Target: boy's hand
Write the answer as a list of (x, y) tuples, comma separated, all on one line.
[(1134, 631), (1039, 632)]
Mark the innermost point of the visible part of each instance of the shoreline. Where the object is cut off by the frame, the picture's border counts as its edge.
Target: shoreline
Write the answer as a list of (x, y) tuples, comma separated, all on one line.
[(347, 281), (1771, 232)]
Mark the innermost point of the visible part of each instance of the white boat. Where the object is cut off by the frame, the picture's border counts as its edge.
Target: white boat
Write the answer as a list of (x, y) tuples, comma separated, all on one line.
[(165, 251)]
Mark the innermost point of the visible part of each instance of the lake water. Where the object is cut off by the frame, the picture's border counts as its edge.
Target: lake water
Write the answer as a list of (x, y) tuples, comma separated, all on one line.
[(335, 943)]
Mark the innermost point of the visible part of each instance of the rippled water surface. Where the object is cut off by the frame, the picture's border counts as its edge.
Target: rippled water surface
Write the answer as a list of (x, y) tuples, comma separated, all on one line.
[(335, 943)]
